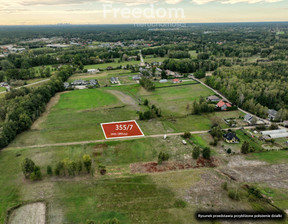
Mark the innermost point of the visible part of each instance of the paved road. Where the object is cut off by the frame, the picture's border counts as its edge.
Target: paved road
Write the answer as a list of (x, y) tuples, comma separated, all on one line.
[(120, 139), (224, 98), (34, 83)]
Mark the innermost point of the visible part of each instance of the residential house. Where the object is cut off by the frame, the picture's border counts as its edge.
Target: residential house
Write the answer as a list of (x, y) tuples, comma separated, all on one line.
[(231, 137), (223, 105), (114, 80), (248, 118), (272, 114), (285, 123), (213, 98), (66, 85), (176, 81), (136, 77)]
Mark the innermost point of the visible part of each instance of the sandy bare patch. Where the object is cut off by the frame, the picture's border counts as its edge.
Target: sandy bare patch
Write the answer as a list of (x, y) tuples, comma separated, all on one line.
[(53, 101), (208, 194), (273, 175), (34, 213), (238, 161), (126, 99)]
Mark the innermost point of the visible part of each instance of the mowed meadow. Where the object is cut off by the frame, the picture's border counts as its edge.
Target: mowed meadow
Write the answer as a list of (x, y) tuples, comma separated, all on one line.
[(76, 115)]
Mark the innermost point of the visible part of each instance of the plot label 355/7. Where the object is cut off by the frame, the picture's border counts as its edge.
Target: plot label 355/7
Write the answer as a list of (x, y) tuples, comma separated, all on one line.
[(121, 129)]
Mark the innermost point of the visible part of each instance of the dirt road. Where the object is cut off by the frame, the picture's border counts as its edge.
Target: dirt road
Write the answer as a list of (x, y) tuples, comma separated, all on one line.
[(120, 139)]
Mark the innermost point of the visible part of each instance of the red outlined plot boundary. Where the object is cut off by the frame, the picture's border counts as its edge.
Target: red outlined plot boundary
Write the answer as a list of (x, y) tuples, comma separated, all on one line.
[(136, 132)]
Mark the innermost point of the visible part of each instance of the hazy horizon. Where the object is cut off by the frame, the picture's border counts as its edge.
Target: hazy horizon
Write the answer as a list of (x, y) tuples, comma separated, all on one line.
[(93, 12)]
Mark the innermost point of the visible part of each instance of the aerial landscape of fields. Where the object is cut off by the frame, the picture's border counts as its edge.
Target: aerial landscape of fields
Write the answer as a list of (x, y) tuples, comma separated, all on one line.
[(103, 121)]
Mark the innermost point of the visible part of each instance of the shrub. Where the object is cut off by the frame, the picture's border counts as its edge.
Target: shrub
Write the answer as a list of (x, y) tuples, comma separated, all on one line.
[(206, 153), (87, 161), (273, 126), (196, 152), (180, 203), (225, 186), (234, 195), (229, 151), (146, 102), (36, 174), (162, 157), (49, 170), (28, 167), (187, 135), (245, 147), (111, 221), (79, 166)]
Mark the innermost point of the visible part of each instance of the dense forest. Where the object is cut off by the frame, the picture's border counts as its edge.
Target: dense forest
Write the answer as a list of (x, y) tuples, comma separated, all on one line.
[(21, 107), (255, 88)]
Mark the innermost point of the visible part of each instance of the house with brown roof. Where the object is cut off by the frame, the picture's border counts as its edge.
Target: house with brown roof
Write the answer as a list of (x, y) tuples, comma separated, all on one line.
[(223, 105)]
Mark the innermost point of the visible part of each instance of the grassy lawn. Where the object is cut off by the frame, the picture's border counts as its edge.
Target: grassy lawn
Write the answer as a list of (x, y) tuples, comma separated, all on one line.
[(2, 89), (112, 64), (273, 157), (77, 117), (193, 54), (174, 100), (150, 59)]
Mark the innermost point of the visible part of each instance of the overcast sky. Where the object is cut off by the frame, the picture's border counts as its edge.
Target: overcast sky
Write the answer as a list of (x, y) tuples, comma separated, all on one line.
[(28, 12)]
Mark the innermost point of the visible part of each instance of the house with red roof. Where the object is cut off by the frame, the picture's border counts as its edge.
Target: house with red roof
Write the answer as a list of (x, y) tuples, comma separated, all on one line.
[(223, 105), (176, 81)]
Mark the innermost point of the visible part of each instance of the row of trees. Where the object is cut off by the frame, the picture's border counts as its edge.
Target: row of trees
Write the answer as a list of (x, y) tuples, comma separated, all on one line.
[(147, 84), (64, 167), (197, 151), (201, 106), (152, 111), (21, 107)]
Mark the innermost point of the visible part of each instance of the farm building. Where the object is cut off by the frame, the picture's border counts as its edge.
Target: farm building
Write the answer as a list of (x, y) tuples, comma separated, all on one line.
[(281, 133), (231, 137), (213, 98), (223, 105), (163, 80), (273, 132), (93, 71)]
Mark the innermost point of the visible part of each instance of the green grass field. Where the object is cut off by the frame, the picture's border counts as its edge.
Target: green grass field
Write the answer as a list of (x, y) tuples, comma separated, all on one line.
[(2, 89), (273, 157), (128, 197), (175, 100), (193, 54), (112, 64), (78, 114)]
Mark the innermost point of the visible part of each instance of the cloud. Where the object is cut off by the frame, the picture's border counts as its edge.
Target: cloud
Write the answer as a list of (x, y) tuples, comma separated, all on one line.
[(78, 2), (202, 2)]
